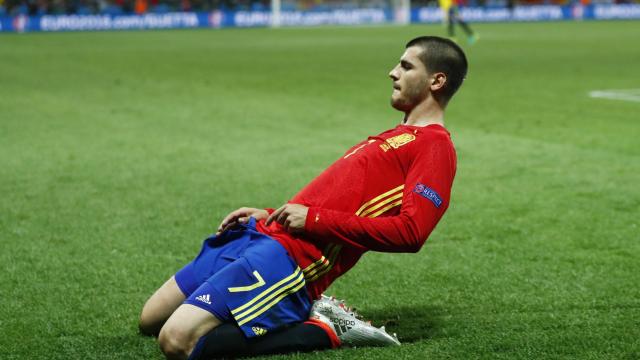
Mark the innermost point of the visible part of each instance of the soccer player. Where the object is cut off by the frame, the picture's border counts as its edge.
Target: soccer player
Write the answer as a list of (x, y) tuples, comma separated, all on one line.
[(251, 288), (452, 16)]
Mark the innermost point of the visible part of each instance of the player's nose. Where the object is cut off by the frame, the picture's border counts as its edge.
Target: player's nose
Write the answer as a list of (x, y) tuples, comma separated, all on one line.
[(393, 74)]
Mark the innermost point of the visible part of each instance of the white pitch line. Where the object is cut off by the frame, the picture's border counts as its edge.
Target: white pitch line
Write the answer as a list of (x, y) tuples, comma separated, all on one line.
[(625, 95)]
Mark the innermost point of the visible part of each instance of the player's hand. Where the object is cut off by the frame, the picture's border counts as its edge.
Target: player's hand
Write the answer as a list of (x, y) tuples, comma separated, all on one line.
[(241, 216), (291, 216)]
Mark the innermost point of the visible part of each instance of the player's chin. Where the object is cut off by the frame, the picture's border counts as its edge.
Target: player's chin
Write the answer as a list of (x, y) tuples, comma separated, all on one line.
[(399, 104)]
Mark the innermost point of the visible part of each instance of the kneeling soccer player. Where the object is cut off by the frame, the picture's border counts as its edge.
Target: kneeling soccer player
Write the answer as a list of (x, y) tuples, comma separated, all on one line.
[(251, 289)]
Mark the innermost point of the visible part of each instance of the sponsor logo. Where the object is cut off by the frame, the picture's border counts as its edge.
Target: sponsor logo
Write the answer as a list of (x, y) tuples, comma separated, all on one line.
[(428, 193), (20, 23), (343, 325), (312, 18), (204, 298), (215, 19), (118, 22), (344, 322)]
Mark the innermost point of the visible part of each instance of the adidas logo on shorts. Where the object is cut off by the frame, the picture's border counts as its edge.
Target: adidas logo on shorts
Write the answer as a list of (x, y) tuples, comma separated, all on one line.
[(258, 330), (204, 298)]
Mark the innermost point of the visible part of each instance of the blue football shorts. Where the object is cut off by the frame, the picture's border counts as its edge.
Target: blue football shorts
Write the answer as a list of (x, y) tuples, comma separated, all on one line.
[(246, 277)]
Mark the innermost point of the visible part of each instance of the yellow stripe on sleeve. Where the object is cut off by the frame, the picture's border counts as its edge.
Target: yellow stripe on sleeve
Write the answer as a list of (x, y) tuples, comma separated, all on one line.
[(381, 211), (325, 265), (381, 196), (332, 260), (315, 264), (381, 204)]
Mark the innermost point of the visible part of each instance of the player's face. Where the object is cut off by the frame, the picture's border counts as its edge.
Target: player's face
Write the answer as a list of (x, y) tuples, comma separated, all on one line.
[(410, 81)]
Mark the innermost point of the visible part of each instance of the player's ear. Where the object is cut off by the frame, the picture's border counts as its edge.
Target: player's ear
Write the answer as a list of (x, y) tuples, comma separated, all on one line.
[(437, 81)]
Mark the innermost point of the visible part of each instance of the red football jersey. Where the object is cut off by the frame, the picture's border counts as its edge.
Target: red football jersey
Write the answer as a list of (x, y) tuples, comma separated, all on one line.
[(386, 193)]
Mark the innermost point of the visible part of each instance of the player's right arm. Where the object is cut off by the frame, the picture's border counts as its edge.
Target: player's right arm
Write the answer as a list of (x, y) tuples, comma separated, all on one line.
[(241, 216), (425, 198)]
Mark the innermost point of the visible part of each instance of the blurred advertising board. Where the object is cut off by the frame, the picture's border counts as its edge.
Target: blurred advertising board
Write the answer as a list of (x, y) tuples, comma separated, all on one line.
[(362, 16)]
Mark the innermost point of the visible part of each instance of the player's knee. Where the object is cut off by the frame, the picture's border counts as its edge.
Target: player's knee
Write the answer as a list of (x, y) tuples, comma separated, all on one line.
[(174, 343), (147, 327), (148, 323)]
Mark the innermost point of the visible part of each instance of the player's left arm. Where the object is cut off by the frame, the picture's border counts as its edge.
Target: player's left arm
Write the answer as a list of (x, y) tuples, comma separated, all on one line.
[(425, 198)]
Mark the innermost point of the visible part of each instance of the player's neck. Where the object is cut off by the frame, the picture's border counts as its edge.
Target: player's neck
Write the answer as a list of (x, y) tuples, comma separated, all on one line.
[(426, 113)]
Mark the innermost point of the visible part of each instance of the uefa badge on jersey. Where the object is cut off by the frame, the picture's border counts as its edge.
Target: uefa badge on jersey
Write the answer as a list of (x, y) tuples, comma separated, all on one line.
[(428, 193)]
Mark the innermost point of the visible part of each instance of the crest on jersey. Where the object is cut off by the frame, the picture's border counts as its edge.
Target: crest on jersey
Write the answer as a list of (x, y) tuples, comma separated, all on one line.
[(397, 141)]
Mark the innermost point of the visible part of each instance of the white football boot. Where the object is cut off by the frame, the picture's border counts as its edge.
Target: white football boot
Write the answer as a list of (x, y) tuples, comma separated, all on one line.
[(350, 329)]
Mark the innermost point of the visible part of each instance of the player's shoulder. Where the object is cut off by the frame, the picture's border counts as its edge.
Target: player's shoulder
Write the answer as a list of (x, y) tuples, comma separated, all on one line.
[(411, 139), (433, 134)]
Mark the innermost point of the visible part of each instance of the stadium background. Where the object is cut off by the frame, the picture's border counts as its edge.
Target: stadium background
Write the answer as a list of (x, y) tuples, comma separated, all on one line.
[(69, 15), (122, 150)]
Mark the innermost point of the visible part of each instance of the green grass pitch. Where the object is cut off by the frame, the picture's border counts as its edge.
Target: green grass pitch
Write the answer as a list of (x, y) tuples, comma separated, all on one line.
[(121, 151)]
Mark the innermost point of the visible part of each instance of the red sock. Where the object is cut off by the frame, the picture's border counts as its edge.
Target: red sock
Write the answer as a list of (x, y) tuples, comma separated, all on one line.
[(333, 337)]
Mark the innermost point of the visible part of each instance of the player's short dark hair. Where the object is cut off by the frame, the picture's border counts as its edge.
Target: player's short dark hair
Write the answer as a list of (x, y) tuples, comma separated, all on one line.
[(443, 55)]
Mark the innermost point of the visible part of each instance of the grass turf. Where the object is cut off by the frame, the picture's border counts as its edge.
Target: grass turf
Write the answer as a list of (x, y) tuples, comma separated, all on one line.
[(122, 150)]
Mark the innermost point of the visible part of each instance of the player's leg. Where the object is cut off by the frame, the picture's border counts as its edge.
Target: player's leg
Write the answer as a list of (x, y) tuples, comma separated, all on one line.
[(195, 330), (215, 254), (159, 307), (183, 329), (471, 36), (263, 292), (465, 26), (203, 307), (169, 296), (228, 340), (330, 326)]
